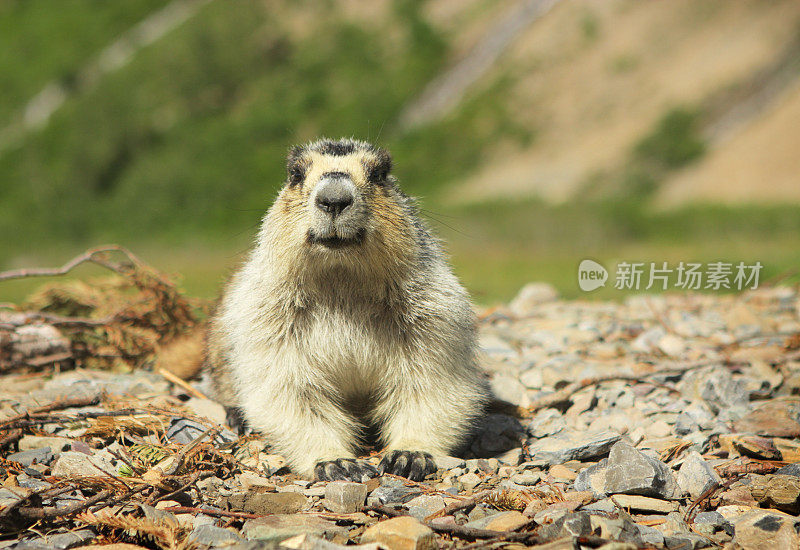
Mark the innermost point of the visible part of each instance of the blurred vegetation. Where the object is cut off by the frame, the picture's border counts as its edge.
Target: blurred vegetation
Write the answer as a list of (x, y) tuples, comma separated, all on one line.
[(189, 139), (497, 247), (674, 142), (40, 42), (180, 152)]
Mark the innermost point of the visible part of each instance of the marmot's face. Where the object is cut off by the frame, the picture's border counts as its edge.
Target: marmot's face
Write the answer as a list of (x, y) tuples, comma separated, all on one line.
[(338, 192)]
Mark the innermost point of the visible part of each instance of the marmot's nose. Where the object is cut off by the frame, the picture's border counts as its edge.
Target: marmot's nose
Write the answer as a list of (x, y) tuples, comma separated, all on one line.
[(333, 196)]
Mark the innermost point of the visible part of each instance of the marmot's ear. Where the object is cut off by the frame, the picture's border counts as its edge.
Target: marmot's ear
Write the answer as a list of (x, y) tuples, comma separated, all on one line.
[(382, 166), (294, 155), (294, 167)]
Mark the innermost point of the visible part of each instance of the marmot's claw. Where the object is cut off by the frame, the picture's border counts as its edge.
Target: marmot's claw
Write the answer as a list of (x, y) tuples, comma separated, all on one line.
[(234, 417), (344, 469), (414, 465)]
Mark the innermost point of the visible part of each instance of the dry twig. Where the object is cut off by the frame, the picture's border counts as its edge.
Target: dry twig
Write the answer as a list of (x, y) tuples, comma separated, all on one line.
[(457, 530), (211, 512), (55, 406), (94, 255), (125, 319), (37, 513), (182, 383), (461, 505)]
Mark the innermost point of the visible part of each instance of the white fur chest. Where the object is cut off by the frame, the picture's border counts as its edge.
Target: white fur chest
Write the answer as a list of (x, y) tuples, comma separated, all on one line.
[(348, 344), (352, 347)]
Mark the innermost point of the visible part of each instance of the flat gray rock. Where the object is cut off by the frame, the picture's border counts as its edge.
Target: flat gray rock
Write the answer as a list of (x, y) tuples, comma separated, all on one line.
[(593, 478), (392, 491), (345, 497), (280, 527), (632, 472), (565, 446), (38, 456), (210, 536), (265, 503), (696, 475)]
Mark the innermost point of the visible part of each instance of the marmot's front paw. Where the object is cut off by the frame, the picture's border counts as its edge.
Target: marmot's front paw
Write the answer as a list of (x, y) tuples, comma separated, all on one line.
[(414, 465), (344, 469)]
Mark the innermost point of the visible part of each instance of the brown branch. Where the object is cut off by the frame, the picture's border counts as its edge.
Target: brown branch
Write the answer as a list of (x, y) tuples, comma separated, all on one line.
[(457, 530), (194, 479), (455, 506), (12, 437), (188, 450), (47, 492), (35, 421), (182, 383), (45, 360), (121, 498), (473, 533), (592, 541), (688, 517), (90, 256), (60, 321), (54, 406), (385, 510), (211, 512), (567, 391), (54, 511)]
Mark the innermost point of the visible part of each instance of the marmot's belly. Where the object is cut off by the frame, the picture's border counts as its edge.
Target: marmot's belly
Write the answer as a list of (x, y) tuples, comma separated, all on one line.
[(353, 352)]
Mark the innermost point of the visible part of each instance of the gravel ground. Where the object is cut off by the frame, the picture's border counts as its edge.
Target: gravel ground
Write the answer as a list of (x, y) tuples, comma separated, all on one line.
[(664, 421)]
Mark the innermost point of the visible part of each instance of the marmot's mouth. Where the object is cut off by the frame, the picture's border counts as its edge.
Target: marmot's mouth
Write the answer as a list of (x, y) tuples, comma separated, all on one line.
[(336, 241)]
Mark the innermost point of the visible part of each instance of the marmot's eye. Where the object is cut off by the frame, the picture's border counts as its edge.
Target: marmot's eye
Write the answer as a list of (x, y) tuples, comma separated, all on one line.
[(296, 175), (378, 174)]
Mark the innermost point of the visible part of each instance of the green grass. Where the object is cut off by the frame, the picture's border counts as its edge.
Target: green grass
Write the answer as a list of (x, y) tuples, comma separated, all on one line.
[(195, 129), (178, 154), (41, 41), (497, 248), (674, 142)]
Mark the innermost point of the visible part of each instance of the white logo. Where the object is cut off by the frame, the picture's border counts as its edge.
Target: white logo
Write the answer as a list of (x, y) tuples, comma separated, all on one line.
[(591, 275)]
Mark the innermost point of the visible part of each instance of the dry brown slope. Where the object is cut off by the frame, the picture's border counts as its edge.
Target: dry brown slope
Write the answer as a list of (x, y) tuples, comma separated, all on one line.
[(594, 77), (760, 164)]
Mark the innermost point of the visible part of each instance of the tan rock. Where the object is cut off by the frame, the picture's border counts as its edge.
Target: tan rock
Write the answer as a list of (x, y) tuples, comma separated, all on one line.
[(531, 296), (265, 503), (645, 504), (164, 504), (766, 530), (788, 448), (777, 491), (403, 533), (770, 419), (209, 409), (310, 542), (534, 507), (584, 497), (732, 511), (56, 444), (507, 521), (345, 497), (750, 445), (554, 511), (279, 527), (565, 543), (562, 472), (253, 482), (737, 495)]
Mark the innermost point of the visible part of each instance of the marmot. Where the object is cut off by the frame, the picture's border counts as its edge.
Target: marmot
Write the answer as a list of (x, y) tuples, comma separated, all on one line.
[(344, 318)]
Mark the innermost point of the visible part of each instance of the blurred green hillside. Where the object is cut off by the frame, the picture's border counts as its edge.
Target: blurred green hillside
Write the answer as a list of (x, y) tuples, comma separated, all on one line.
[(177, 153)]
